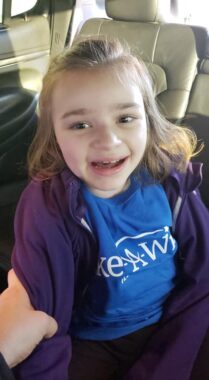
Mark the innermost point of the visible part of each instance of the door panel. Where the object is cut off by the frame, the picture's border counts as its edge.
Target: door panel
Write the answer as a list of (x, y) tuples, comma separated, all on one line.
[(14, 40), (26, 43)]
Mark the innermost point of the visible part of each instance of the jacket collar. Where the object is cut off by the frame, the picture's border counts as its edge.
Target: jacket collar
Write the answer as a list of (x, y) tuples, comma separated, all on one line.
[(188, 181)]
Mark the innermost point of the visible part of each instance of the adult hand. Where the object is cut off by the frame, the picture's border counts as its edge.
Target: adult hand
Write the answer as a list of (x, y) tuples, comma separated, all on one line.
[(21, 327)]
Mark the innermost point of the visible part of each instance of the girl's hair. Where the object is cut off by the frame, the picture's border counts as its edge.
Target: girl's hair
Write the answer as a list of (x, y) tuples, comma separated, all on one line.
[(168, 146)]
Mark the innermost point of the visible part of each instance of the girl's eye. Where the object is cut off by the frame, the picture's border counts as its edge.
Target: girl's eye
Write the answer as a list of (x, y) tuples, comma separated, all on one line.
[(126, 119), (80, 126)]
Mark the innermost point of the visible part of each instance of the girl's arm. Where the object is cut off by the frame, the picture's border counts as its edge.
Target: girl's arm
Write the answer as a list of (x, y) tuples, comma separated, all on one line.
[(17, 338), (185, 322), (43, 261)]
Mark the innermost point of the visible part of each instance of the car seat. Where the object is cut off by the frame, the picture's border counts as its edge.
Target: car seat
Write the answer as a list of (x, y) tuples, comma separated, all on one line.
[(173, 53)]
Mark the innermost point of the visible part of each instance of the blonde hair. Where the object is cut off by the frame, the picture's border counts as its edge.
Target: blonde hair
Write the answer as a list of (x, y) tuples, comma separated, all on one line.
[(169, 146)]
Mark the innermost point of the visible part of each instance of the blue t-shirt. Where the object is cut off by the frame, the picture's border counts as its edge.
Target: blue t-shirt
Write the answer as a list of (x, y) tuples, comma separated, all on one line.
[(136, 268)]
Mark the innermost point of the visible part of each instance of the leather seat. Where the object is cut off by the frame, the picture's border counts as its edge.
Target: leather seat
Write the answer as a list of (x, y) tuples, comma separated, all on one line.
[(168, 49), (174, 54), (16, 133), (197, 115)]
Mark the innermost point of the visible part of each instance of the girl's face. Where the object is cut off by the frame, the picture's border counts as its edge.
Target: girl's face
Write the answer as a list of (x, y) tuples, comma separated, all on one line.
[(101, 128)]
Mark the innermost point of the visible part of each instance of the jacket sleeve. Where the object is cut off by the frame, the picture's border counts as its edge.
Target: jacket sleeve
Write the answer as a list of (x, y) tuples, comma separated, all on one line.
[(192, 234), (185, 320), (43, 261)]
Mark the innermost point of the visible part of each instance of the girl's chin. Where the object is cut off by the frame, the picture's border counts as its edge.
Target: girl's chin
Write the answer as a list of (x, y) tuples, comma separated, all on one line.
[(106, 191)]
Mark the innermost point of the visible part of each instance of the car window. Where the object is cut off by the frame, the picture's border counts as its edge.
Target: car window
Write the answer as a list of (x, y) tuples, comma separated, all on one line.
[(85, 9), (1, 6), (21, 6), (194, 12), (18, 7)]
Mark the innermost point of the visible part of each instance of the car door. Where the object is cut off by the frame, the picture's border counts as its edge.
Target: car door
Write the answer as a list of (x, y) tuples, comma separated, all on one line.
[(31, 31)]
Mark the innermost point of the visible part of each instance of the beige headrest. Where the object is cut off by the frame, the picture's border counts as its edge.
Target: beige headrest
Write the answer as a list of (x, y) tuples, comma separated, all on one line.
[(138, 10)]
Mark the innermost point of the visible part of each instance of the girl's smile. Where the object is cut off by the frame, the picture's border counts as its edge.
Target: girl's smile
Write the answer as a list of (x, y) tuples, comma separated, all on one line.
[(108, 166), (100, 126)]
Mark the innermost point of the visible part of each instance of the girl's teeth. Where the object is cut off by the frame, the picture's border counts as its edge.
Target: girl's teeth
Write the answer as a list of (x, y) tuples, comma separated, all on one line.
[(107, 163), (110, 162)]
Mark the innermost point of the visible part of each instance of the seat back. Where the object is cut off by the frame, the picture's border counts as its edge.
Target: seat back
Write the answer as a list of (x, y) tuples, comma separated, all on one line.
[(197, 114), (18, 123), (169, 50), (172, 52)]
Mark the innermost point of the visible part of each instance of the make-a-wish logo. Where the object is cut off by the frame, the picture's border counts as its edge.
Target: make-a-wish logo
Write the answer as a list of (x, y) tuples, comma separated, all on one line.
[(137, 252)]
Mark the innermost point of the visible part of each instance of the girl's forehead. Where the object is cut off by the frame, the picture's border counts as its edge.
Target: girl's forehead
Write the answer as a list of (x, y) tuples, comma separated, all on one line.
[(96, 78), (125, 74), (94, 89)]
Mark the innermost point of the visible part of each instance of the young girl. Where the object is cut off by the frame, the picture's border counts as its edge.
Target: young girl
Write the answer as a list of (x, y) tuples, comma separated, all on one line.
[(111, 233)]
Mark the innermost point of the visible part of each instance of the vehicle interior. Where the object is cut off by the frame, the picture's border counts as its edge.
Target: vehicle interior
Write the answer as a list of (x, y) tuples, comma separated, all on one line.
[(176, 53)]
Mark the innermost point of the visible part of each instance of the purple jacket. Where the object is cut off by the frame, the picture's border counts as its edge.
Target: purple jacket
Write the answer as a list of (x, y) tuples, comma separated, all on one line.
[(55, 255)]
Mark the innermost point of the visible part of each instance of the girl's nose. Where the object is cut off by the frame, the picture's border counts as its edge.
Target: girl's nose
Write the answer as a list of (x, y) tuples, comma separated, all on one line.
[(106, 138)]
